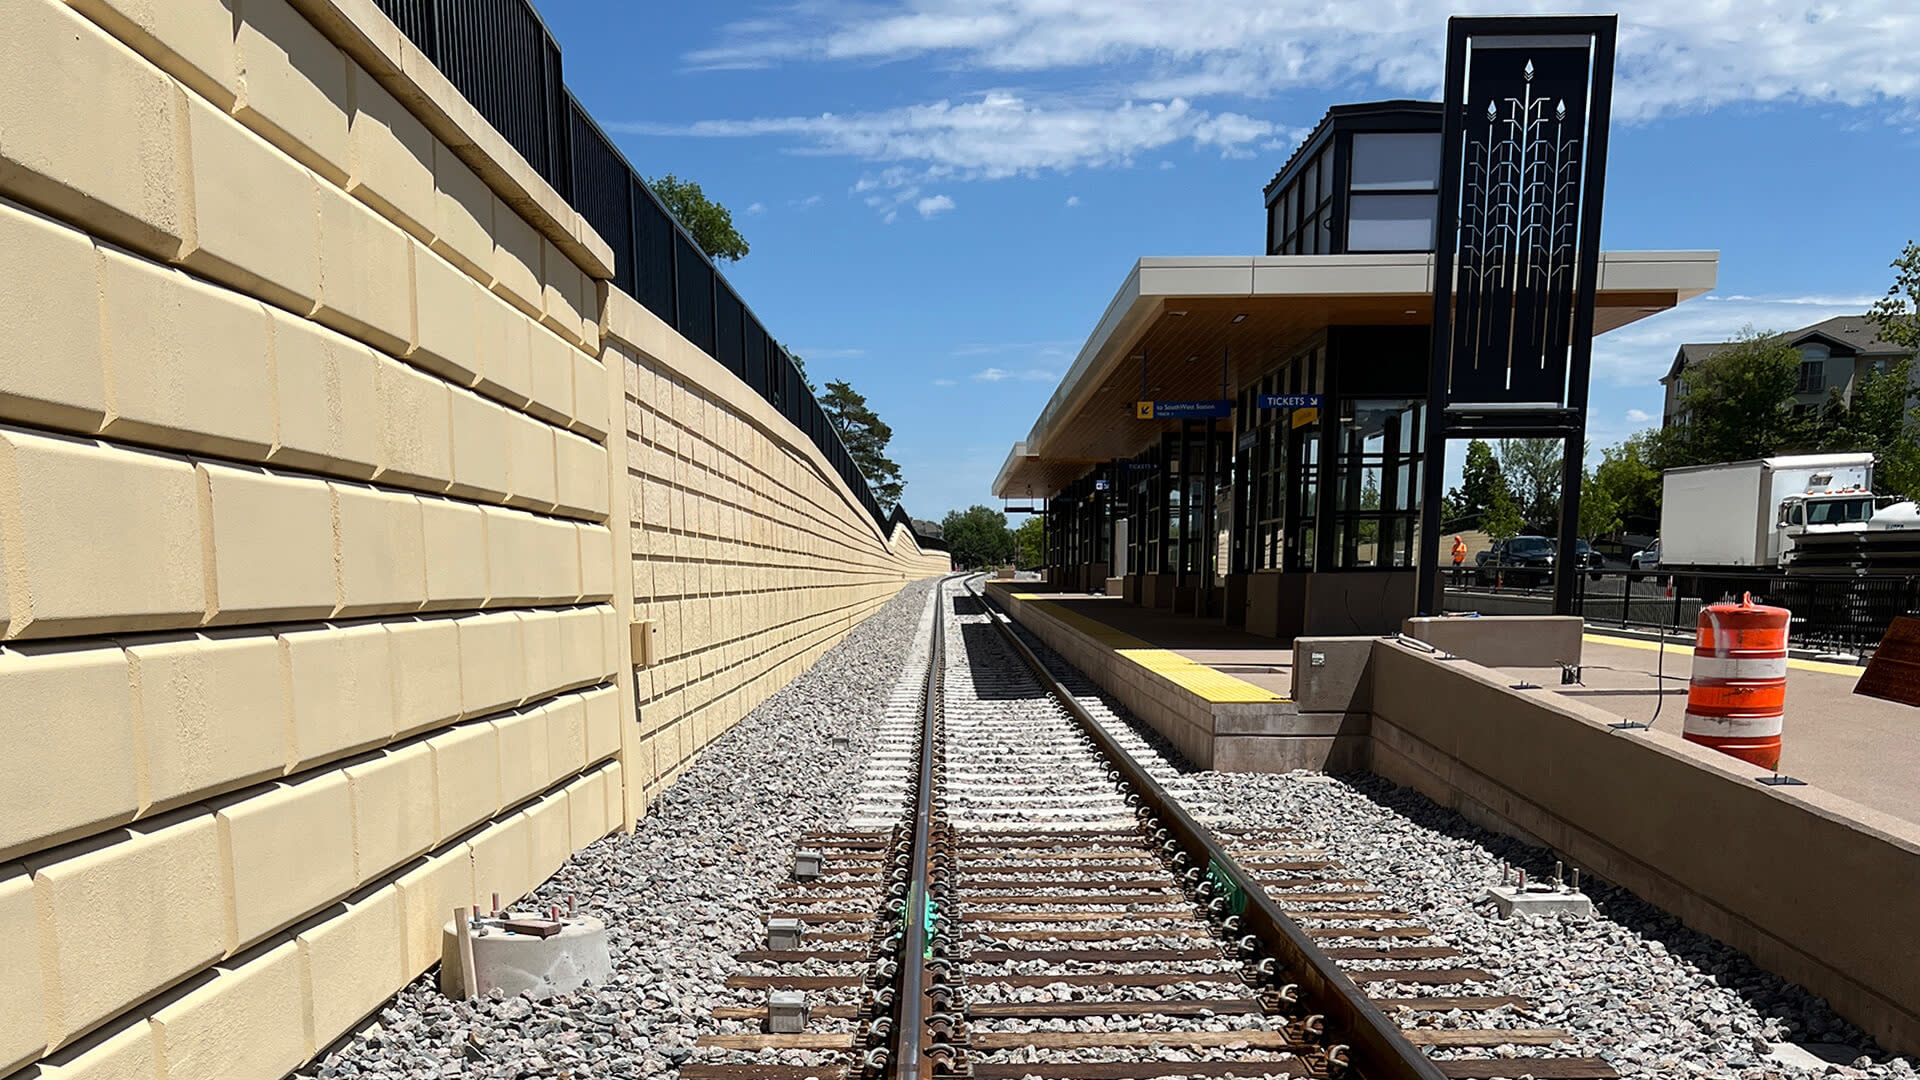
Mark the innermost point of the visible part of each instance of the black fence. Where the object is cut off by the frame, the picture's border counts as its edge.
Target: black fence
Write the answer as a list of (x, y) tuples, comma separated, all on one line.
[(1842, 613), (501, 57)]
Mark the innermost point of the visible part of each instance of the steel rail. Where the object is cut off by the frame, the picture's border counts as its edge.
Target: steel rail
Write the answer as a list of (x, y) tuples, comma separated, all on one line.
[(1376, 1048), (909, 1061)]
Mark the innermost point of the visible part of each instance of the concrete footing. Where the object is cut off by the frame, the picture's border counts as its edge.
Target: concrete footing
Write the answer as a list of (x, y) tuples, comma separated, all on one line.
[(787, 1012), (524, 964), (1542, 899)]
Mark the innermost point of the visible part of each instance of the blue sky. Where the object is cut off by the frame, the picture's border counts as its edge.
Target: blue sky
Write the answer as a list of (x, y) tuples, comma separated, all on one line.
[(943, 195)]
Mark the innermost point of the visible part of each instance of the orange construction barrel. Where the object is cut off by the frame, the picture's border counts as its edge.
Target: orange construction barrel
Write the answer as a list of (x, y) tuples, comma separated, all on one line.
[(1738, 692)]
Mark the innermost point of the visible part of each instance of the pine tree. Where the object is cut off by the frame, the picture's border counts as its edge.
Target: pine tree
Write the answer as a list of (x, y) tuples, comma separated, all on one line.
[(865, 436)]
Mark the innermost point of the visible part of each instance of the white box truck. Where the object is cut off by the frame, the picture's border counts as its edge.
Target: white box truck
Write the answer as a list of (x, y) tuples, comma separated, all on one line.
[(1747, 514)]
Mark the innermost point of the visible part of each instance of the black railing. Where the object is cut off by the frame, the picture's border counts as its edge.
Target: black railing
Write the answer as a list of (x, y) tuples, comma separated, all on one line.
[(1842, 613), (501, 57)]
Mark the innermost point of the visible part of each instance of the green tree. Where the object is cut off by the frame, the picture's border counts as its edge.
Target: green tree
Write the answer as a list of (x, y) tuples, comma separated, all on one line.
[(709, 223), (1628, 477), (1897, 315), (1737, 403), (800, 365), (1531, 470), (1029, 554), (977, 537), (865, 436), (1502, 518), (1599, 510), (1479, 479)]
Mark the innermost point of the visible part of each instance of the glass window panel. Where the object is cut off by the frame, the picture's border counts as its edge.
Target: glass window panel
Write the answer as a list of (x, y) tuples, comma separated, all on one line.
[(1390, 223), (1396, 162)]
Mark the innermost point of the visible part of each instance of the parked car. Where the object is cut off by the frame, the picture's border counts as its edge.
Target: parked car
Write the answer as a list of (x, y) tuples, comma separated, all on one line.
[(1645, 559), (1586, 558), (1520, 560)]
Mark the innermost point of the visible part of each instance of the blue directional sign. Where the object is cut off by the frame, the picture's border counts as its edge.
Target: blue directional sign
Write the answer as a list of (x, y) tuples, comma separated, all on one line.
[(1182, 410), (1101, 485), (1291, 401)]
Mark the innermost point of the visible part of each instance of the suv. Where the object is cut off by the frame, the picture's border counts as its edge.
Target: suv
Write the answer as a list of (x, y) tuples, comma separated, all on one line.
[(1521, 559), (1648, 559)]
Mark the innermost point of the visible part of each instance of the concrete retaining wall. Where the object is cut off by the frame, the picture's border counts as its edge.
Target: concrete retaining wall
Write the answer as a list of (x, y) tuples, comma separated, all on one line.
[(325, 507), (1812, 886)]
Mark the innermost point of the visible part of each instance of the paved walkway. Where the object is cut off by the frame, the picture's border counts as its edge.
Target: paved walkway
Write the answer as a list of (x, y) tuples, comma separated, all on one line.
[(1263, 661), (1861, 748)]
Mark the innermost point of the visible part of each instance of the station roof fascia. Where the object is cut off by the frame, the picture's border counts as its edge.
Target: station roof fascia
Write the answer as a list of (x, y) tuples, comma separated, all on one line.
[(1180, 310)]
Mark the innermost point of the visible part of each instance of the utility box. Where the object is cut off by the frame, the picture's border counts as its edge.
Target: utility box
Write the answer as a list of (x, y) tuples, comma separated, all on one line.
[(808, 864), (786, 1012), (784, 935)]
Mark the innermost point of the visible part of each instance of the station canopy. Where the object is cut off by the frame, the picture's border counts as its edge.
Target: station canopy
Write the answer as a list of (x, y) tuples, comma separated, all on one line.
[(1181, 312)]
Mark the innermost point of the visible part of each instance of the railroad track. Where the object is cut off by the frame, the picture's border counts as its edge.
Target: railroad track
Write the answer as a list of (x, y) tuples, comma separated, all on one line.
[(1079, 911)]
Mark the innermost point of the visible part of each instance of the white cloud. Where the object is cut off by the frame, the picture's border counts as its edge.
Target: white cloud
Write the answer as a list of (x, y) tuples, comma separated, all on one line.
[(810, 353), (946, 382), (1638, 416), (1073, 200), (1671, 56), (756, 208), (995, 374), (1638, 354), (993, 136), (1001, 348), (807, 203), (933, 204)]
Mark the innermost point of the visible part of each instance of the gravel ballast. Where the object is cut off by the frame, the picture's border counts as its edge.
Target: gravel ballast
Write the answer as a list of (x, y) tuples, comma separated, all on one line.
[(1632, 985), (680, 896)]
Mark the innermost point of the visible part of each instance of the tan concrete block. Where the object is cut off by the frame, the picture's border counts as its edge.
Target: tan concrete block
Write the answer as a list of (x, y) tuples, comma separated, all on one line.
[(192, 40), (426, 673), (293, 85), (593, 295), (580, 465), (581, 645), (23, 1037), (566, 718), (531, 559), (515, 268), (395, 808), (51, 349), (616, 796), (428, 894), (98, 539), (590, 397), (94, 133), (104, 948), (501, 860), (391, 167), (613, 639), (530, 454), (290, 851), (563, 304), (416, 436), (463, 220), (273, 548), (481, 468), (340, 679), (596, 562), (379, 549), (603, 722), (587, 809), (167, 380), (250, 1020), (126, 1051), (492, 673), (366, 274), (354, 962), (543, 651), (552, 376), (211, 713), (466, 769), (505, 350), (446, 319), (72, 759), (253, 218), (524, 766), (549, 839), (326, 406), (456, 539)]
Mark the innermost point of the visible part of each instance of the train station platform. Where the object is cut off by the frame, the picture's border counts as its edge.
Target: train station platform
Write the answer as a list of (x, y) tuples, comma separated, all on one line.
[(1222, 697), (1861, 748)]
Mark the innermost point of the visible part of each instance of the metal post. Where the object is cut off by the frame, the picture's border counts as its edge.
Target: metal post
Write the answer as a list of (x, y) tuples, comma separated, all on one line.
[(1446, 230)]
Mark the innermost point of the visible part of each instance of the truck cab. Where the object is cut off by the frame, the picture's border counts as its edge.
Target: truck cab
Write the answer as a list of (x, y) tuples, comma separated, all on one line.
[(1821, 513)]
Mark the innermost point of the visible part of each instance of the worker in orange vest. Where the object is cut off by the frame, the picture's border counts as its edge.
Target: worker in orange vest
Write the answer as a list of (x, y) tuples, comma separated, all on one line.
[(1459, 557)]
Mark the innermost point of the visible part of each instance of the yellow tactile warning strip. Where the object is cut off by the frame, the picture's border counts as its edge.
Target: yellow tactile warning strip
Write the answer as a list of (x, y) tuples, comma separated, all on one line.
[(1214, 687), (1824, 666)]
